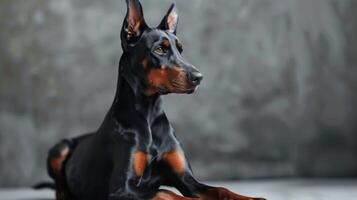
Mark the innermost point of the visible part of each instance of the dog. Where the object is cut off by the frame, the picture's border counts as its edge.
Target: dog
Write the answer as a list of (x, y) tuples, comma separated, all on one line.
[(135, 150)]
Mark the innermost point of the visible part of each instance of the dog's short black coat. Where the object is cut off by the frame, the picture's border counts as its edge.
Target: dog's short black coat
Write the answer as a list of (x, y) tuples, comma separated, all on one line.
[(135, 150)]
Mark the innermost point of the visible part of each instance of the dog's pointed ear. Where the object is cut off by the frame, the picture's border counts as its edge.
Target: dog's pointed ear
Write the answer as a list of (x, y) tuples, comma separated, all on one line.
[(170, 21), (134, 23)]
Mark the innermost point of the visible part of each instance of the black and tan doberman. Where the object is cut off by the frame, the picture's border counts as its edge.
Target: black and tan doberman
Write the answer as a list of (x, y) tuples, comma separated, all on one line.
[(135, 150)]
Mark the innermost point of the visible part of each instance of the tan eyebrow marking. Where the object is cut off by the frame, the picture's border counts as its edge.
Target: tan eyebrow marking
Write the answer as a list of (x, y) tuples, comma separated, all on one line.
[(166, 43)]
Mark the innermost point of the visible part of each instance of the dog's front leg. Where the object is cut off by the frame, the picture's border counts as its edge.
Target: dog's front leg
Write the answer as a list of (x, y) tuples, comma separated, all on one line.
[(187, 184), (181, 175), (177, 171)]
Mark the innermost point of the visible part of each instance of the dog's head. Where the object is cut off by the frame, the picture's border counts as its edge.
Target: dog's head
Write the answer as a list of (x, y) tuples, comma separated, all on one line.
[(154, 54)]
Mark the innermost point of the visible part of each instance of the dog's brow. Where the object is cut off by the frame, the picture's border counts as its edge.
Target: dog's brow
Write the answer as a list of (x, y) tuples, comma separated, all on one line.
[(166, 43)]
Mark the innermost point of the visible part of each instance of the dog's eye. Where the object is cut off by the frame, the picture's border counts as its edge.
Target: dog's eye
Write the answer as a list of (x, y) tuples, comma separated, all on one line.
[(160, 51)]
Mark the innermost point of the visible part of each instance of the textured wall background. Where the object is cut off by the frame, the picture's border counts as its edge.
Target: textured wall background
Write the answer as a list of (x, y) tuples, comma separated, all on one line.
[(278, 99)]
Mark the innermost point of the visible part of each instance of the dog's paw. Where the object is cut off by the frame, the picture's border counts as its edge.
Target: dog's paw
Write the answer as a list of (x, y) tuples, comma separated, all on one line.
[(221, 193)]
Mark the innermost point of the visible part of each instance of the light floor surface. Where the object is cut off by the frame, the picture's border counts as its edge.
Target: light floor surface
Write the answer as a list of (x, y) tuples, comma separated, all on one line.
[(270, 189)]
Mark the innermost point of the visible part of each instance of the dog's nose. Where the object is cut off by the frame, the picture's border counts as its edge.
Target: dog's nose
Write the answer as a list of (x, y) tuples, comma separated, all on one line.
[(195, 78)]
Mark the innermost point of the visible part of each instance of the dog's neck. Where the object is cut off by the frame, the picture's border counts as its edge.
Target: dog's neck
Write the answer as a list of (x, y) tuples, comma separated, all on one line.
[(131, 95), (130, 104)]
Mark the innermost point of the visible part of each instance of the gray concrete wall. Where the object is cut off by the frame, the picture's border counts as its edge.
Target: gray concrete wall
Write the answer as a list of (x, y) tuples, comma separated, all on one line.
[(278, 98)]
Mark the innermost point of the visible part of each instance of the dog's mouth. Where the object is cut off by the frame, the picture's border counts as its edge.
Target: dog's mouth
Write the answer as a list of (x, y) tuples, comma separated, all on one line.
[(170, 81), (182, 87), (162, 90)]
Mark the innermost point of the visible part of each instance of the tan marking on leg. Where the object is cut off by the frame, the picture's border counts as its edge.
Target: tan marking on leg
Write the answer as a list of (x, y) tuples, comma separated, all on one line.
[(176, 160), (141, 160), (57, 162)]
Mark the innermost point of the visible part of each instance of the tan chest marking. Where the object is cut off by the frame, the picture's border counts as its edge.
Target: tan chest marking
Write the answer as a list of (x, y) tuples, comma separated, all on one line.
[(176, 160), (140, 160)]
